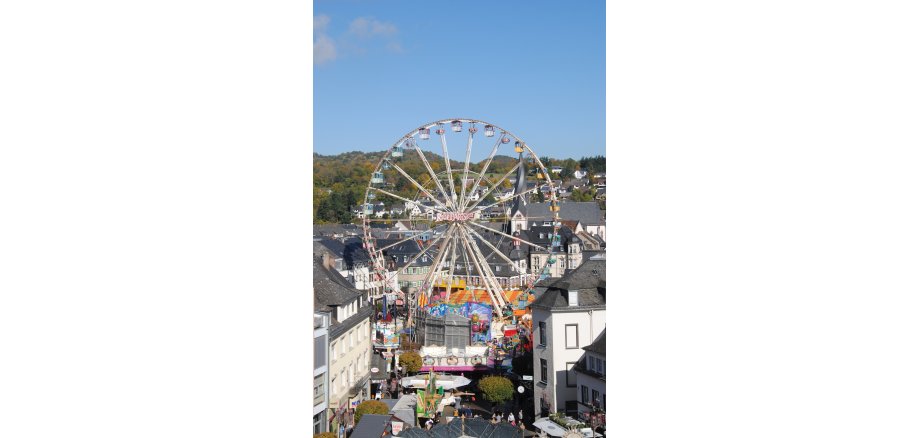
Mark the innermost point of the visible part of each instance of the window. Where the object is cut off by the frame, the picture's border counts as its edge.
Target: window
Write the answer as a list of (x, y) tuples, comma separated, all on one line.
[(332, 386), (351, 339), (319, 351), (595, 396), (318, 389), (333, 349), (543, 370), (542, 333), (584, 394), (570, 374), (603, 367), (591, 363), (571, 336)]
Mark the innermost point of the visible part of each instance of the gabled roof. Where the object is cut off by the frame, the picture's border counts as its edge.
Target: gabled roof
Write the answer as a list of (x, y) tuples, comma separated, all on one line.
[(371, 426), (589, 280), (329, 287), (599, 345), (588, 213)]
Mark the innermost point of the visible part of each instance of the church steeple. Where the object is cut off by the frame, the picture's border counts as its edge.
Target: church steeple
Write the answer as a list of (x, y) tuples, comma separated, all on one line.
[(518, 220)]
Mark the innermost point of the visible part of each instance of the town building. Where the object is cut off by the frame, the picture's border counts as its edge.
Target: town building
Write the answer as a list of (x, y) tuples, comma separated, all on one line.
[(589, 214), (322, 317), (567, 316), (349, 340), (591, 378), (348, 256)]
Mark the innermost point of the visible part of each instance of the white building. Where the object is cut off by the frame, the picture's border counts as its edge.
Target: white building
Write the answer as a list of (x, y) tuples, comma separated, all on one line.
[(350, 341), (321, 320), (591, 378), (568, 316)]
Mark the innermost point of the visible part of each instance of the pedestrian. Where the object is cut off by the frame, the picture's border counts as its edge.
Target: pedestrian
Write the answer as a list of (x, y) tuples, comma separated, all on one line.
[(511, 417), (428, 424)]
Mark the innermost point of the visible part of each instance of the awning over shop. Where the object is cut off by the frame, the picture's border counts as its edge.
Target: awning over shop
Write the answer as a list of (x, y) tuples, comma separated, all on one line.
[(550, 427)]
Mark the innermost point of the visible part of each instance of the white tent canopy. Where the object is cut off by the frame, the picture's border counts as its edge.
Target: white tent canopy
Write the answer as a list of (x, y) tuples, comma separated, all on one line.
[(445, 381), (550, 427)]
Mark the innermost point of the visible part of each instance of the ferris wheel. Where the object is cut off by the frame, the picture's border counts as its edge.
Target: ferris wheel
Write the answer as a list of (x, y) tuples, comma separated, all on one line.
[(466, 223)]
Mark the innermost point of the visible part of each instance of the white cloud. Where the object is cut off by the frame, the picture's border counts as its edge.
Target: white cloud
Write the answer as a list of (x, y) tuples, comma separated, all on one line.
[(323, 50), (323, 46), (395, 47), (320, 23), (381, 35), (369, 26)]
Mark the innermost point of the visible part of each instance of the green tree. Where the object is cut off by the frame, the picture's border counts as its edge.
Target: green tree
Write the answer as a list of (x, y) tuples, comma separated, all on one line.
[(411, 361), (371, 407), (496, 389), (326, 435)]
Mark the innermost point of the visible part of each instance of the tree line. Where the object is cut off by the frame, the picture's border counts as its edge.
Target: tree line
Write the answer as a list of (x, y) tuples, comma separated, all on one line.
[(339, 181)]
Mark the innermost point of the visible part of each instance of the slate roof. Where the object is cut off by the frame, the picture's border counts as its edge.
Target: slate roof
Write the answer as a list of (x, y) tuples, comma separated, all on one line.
[(331, 229), (588, 213), (405, 251), (329, 287), (350, 250), (599, 345), (589, 280), (371, 426), (475, 427), (404, 409)]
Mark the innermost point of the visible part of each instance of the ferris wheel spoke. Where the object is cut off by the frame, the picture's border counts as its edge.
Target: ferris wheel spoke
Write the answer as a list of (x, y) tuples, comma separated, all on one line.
[(526, 192), (509, 236), (400, 197), (487, 272), (434, 176), (495, 250), (420, 233), (453, 264), (423, 251), (466, 166), (450, 174), (485, 280), (485, 166), (420, 187), (428, 283), (500, 180)]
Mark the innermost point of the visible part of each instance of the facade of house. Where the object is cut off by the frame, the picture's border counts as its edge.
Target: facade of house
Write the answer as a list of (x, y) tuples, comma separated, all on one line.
[(321, 321), (591, 378), (350, 341), (567, 316)]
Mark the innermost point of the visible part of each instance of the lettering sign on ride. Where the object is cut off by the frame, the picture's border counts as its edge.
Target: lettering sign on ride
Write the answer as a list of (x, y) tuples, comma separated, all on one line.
[(454, 217)]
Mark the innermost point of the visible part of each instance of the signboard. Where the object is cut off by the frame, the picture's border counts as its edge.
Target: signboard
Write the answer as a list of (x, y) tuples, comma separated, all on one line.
[(397, 427), (454, 217), (521, 389), (527, 378)]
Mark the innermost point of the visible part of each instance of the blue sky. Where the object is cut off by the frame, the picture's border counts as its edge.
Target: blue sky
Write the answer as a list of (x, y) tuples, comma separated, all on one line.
[(536, 68)]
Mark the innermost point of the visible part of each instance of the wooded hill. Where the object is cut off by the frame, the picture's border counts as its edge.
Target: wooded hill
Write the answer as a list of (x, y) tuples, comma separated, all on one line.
[(340, 180)]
